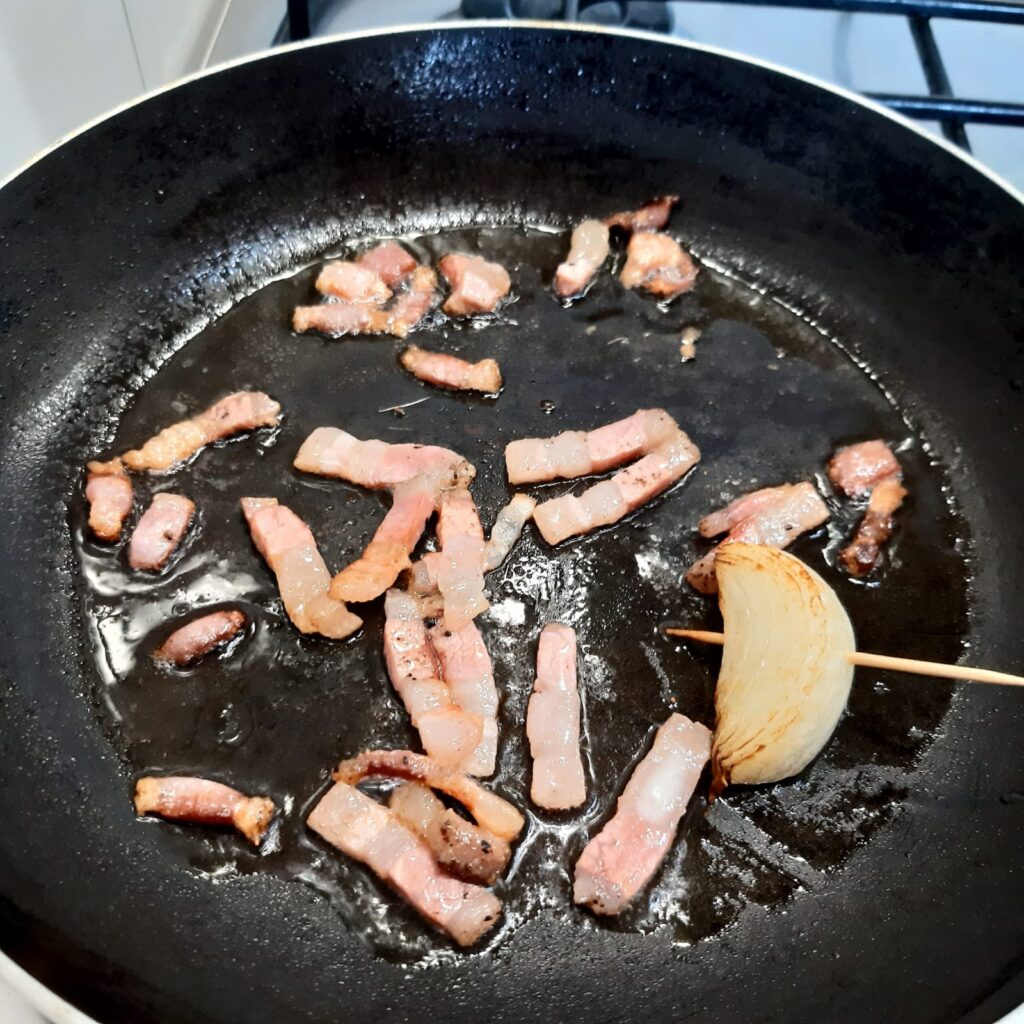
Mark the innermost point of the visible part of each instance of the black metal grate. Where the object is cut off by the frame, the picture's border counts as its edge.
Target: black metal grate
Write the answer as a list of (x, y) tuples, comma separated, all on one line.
[(952, 112)]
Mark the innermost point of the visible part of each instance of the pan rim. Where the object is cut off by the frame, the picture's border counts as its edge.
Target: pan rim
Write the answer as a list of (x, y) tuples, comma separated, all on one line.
[(54, 1008), (533, 25)]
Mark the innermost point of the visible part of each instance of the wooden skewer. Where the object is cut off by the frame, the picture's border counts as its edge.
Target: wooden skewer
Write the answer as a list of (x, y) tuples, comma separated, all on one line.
[(862, 658)]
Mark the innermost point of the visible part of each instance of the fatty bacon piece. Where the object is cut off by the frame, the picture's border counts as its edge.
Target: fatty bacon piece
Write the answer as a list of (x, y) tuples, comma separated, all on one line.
[(466, 670), (408, 308), (460, 568), (652, 216), (609, 501), (450, 734), (773, 516), (374, 835), (576, 453), (235, 414), (200, 636), (463, 849), (448, 371), (204, 802), (477, 285), (588, 249), (507, 529), (553, 723), (864, 551), (854, 470), (373, 464), (659, 265), (490, 810), (288, 546), (160, 531), (623, 857), (109, 494)]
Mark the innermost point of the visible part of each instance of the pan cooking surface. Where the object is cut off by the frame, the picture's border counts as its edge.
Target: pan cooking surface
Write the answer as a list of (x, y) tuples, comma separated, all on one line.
[(172, 216), (767, 399)]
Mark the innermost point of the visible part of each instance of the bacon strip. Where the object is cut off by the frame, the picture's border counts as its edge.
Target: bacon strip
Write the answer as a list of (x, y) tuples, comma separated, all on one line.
[(467, 672), (352, 283), (242, 411), (588, 249), (652, 216), (204, 802), (607, 502), (331, 452), (448, 371), (659, 265), (373, 835), (877, 526), (160, 530), (489, 809), (460, 568), (507, 528), (341, 318), (622, 858), (856, 469), (389, 261), (288, 546), (449, 734), (199, 637), (575, 453), (463, 849), (553, 723), (109, 494), (775, 516), (387, 554), (477, 286)]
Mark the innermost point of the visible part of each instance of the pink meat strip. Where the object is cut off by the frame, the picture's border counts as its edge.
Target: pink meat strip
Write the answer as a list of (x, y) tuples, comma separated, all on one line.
[(774, 516), (864, 551), (489, 809), (553, 723), (659, 265), (377, 465), (204, 802), (607, 502), (109, 494), (199, 637), (588, 249), (288, 546), (463, 849), (460, 568), (340, 318), (387, 554), (160, 530), (414, 303), (477, 286), (507, 528), (652, 216), (856, 469), (449, 733), (352, 283), (623, 857), (467, 671), (242, 411), (576, 453), (373, 835), (448, 371), (389, 261)]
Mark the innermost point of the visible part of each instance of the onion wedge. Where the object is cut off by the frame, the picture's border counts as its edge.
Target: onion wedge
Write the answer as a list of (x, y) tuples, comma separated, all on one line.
[(785, 676)]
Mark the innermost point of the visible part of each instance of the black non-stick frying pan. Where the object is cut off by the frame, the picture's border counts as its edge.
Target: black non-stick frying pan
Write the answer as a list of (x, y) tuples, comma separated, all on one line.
[(859, 279)]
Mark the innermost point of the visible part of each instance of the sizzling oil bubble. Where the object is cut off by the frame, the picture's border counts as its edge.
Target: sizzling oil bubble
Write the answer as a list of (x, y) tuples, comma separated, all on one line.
[(767, 400)]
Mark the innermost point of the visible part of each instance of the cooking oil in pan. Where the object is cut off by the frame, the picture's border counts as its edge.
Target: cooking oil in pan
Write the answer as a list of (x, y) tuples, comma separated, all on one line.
[(767, 398)]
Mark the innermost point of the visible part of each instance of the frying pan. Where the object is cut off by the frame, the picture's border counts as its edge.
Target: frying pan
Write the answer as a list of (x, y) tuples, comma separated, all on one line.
[(902, 902)]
